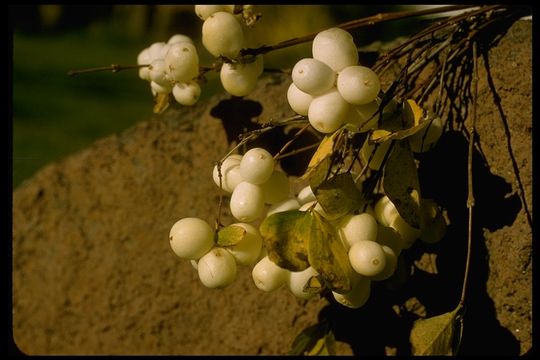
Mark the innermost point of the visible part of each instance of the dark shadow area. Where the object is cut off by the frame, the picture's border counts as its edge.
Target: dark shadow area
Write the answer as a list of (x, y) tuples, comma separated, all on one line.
[(238, 116), (443, 177)]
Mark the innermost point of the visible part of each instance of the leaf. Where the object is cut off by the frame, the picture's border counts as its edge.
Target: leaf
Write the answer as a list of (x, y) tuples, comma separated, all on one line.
[(400, 183), (413, 117), (161, 103), (327, 255), (285, 237), (231, 235), (322, 155), (338, 195), (317, 339), (436, 335)]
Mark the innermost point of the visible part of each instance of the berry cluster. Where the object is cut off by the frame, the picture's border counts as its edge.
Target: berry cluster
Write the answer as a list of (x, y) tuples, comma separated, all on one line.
[(173, 68), (223, 37), (331, 88)]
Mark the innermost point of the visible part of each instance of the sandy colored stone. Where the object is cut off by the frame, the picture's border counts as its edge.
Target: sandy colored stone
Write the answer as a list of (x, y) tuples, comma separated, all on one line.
[(93, 272)]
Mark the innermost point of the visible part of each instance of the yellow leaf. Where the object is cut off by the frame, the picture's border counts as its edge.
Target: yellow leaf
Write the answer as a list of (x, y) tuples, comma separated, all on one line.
[(161, 103), (436, 335)]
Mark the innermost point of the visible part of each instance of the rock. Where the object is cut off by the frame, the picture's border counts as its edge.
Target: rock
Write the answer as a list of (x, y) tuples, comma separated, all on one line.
[(93, 272)]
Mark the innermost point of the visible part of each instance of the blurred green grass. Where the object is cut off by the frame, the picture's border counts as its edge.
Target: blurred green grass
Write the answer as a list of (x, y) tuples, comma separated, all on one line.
[(54, 114)]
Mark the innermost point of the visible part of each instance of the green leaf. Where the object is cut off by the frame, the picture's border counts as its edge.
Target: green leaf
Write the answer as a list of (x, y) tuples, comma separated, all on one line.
[(327, 255), (231, 235), (322, 158), (317, 339), (437, 335), (401, 184), (338, 195), (285, 237)]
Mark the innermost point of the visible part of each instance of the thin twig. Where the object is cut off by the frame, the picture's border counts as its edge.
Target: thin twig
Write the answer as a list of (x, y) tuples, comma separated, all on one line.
[(113, 68), (355, 24), (297, 151), (295, 137), (470, 195)]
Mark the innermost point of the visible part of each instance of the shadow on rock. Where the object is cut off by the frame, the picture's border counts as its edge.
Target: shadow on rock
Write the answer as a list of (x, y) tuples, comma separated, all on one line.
[(238, 116), (443, 177)]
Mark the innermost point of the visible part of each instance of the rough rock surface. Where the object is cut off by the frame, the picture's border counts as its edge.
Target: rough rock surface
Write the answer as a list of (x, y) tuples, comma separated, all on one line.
[(93, 272)]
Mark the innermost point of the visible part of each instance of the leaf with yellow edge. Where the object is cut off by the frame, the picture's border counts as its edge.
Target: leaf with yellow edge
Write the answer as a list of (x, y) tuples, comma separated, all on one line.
[(438, 335), (401, 185), (231, 235), (327, 255), (322, 154), (285, 237)]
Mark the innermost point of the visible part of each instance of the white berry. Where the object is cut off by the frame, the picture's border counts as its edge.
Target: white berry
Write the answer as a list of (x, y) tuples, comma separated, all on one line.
[(257, 166), (327, 112), (313, 76), (367, 258), (354, 228), (187, 93), (336, 48), (222, 35), (204, 11), (297, 281), (217, 269), (179, 38), (268, 276), (230, 173), (239, 79), (191, 237), (247, 202), (306, 195), (182, 62), (298, 100)]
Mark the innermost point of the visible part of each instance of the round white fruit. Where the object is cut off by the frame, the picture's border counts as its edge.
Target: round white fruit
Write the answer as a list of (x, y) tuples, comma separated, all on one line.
[(155, 51), (217, 269), (359, 85), (267, 276), (247, 202), (385, 211), (354, 228), (186, 93), (222, 35), (327, 112), (298, 100), (176, 38), (164, 88), (158, 73), (297, 281), (246, 252), (182, 62), (230, 173), (367, 258), (191, 237), (313, 76), (336, 48), (390, 264), (257, 166), (239, 79)]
